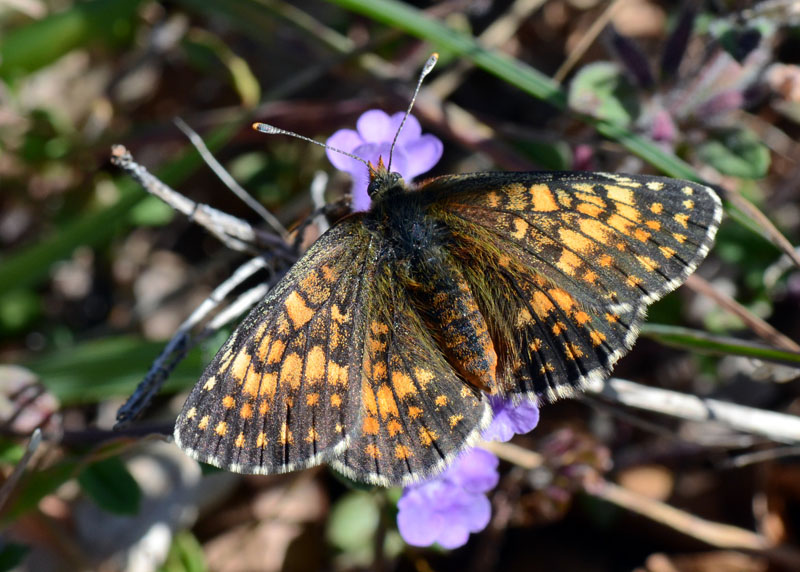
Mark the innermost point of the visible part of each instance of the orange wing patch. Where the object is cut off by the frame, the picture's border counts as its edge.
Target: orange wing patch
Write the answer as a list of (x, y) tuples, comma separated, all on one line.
[(410, 408), (542, 199), (280, 369)]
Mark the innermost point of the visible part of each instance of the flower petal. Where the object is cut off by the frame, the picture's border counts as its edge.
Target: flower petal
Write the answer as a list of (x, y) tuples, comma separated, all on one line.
[(422, 153), (478, 513), (475, 471), (470, 513), (453, 536), (359, 197), (399, 162), (524, 417), (371, 152), (510, 419), (663, 128), (346, 140), (412, 130), (418, 519), (375, 126)]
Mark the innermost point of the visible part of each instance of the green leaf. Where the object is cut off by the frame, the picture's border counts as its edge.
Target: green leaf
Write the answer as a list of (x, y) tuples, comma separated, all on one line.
[(737, 152), (185, 554), (99, 369), (242, 77), (151, 212), (739, 39), (17, 309), (111, 486), (412, 20), (398, 15), (353, 522), (42, 42), (11, 453), (32, 264), (603, 91), (555, 156), (34, 487)]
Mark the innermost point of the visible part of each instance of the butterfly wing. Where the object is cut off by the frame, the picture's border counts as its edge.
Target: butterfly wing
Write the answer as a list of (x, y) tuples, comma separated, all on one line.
[(563, 265), (417, 414), (284, 391)]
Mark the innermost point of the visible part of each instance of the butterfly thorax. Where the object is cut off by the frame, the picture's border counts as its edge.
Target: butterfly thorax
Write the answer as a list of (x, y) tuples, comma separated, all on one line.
[(400, 219)]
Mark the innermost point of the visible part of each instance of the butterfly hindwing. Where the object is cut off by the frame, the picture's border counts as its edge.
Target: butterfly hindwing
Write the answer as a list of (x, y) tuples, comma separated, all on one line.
[(549, 342), (284, 390), (417, 413), (560, 344)]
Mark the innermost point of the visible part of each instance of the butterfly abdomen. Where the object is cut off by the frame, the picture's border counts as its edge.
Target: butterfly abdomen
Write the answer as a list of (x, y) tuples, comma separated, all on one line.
[(443, 298)]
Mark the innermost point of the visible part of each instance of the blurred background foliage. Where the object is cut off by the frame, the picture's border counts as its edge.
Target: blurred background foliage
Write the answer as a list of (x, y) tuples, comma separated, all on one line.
[(95, 275)]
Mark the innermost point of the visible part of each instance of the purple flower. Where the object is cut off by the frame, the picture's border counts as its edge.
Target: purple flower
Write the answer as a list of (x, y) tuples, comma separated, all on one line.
[(583, 158), (450, 506), (511, 419), (413, 154)]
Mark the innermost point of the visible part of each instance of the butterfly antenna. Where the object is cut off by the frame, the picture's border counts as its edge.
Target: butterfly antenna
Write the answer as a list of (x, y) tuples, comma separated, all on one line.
[(425, 71), (272, 130)]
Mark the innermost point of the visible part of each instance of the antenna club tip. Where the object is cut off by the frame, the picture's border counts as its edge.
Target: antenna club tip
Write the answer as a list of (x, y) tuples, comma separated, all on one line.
[(426, 69), (266, 128)]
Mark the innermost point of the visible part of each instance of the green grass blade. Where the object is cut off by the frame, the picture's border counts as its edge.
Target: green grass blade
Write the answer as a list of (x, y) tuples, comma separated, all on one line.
[(32, 264), (95, 370), (42, 42), (415, 22), (698, 341)]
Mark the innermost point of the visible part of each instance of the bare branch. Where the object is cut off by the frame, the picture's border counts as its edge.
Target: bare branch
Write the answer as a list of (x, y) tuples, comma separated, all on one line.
[(228, 180), (237, 234), (180, 344), (776, 426)]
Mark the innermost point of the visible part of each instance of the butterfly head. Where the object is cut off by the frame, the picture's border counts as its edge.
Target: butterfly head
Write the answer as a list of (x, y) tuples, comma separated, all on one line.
[(383, 182)]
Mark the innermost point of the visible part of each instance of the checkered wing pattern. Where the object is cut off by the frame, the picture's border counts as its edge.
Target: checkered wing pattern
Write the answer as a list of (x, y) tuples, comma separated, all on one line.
[(417, 413), (564, 264), (285, 390), (376, 351)]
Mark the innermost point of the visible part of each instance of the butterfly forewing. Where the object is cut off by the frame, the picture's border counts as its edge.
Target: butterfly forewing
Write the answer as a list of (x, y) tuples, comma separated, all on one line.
[(284, 390), (564, 263)]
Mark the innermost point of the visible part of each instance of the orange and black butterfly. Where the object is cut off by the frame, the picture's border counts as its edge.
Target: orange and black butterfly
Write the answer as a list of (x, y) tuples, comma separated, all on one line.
[(379, 349)]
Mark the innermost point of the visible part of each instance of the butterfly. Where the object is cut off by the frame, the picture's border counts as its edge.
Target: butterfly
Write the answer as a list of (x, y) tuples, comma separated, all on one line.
[(379, 349)]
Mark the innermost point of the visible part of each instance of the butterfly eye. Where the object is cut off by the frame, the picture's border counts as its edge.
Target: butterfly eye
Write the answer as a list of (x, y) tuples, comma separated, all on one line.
[(375, 186)]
